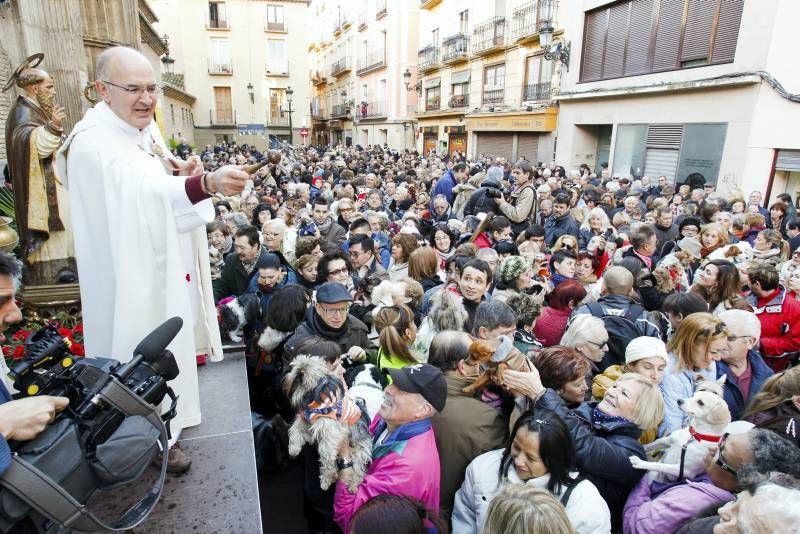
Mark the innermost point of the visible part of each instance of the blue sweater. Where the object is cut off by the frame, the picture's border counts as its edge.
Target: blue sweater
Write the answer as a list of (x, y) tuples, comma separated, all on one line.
[(5, 451), (733, 393)]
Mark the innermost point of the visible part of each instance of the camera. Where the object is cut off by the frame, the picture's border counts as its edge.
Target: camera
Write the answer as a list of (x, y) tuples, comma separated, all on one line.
[(493, 193)]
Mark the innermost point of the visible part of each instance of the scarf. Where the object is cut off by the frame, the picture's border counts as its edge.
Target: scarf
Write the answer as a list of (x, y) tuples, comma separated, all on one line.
[(705, 251), (602, 418), (250, 265), (325, 227), (765, 254)]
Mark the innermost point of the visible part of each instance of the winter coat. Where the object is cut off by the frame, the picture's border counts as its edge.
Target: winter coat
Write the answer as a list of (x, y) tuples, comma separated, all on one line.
[(233, 280), (677, 385), (664, 235), (732, 393), (652, 298), (602, 382), (355, 334), (462, 194), (406, 463), (586, 509), (667, 510), (465, 429), (602, 449), (519, 207), (555, 227), (780, 327), (335, 234), (584, 236), (480, 201), (397, 270), (550, 325), (444, 186)]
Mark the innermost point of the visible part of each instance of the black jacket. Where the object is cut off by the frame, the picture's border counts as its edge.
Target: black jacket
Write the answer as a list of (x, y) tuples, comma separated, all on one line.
[(233, 280), (481, 202), (602, 450), (555, 227), (356, 334)]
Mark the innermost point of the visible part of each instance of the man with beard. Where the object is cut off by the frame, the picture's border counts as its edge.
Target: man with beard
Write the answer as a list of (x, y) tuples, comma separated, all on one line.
[(33, 134)]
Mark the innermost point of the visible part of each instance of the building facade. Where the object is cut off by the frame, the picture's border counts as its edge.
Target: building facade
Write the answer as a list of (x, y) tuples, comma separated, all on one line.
[(358, 51), (241, 60), (687, 89), (484, 83)]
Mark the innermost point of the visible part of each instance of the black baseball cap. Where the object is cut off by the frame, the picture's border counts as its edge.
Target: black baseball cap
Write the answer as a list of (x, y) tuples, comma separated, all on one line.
[(424, 379)]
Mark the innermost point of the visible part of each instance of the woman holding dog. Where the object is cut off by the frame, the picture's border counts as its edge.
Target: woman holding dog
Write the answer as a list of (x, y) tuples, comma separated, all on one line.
[(700, 341), (539, 453)]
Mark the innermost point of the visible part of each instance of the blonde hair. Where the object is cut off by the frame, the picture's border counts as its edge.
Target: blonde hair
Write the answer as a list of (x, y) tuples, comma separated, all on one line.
[(304, 261), (391, 322), (523, 508), (695, 328), (715, 227), (649, 410)]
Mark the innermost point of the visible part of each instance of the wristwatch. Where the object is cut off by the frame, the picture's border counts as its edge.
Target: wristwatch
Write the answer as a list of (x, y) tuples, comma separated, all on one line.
[(343, 463)]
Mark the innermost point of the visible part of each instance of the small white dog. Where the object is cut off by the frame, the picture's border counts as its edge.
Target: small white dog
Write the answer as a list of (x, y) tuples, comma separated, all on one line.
[(365, 385), (687, 447)]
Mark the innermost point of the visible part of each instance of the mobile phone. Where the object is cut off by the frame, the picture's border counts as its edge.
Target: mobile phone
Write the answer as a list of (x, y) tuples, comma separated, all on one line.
[(608, 234)]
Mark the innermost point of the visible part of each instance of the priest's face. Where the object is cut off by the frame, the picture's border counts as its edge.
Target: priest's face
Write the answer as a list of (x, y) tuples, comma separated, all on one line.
[(130, 90)]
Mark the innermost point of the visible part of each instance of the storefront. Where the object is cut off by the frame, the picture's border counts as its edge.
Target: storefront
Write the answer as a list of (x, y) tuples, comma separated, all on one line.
[(513, 135), (430, 139), (456, 139), (785, 176)]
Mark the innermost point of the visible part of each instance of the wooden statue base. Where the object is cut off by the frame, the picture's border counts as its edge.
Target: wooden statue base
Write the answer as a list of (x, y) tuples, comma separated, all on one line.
[(49, 300)]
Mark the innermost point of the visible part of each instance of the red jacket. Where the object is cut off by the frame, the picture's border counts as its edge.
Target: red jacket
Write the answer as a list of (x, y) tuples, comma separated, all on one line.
[(780, 326), (550, 325)]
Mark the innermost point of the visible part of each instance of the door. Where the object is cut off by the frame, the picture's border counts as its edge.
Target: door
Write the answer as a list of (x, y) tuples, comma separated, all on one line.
[(528, 147), (457, 142), (429, 142), (223, 106), (495, 144)]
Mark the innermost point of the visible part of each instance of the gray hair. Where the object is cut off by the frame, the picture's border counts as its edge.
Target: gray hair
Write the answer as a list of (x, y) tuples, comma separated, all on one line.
[(446, 311), (771, 453), (492, 314), (448, 348), (238, 218), (742, 322), (582, 329), (494, 173), (773, 508)]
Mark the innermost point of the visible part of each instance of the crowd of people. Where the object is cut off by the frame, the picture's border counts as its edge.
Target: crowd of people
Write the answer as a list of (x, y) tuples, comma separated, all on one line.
[(613, 296)]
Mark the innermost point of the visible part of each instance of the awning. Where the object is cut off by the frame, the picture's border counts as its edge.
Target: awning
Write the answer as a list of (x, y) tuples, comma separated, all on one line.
[(460, 77), (435, 82), (788, 160)]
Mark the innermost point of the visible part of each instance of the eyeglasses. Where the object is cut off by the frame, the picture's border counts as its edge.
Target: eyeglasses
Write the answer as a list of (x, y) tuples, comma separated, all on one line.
[(732, 339), (725, 466), (270, 235), (333, 312), (137, 90), (599, 345), (337, 272)]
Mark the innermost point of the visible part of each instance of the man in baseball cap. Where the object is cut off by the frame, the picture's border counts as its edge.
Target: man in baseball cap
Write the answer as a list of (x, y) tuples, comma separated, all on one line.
[(404, 454)]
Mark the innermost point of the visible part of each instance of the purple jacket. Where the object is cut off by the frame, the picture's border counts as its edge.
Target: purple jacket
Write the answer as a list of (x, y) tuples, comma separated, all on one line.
[(649, 512), (406, 463)]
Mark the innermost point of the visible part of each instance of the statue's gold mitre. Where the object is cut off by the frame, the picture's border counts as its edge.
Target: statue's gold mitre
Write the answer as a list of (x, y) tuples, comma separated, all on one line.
[(31, 63)]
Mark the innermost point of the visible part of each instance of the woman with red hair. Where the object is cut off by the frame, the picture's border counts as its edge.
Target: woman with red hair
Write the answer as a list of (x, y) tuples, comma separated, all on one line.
[(553, 321)]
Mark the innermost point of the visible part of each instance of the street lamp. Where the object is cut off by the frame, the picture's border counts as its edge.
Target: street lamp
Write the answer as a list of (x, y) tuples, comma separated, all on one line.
[(168, 61), (407, 79), (289, 94), (559, 52), (251, 93)]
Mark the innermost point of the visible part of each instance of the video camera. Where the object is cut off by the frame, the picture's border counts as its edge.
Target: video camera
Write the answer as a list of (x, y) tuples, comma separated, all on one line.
[(109, 433)]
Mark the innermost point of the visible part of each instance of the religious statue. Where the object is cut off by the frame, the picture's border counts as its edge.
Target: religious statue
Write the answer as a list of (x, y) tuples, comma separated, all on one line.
[(34, 131)]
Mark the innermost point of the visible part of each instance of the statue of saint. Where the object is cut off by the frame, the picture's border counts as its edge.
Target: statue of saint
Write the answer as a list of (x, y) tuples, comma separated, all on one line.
[(34, 132)]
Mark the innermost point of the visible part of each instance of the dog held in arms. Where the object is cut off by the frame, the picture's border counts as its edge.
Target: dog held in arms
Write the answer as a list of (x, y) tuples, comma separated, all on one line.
[(236, 313), (325, 416), (493, 358), (686, 448)]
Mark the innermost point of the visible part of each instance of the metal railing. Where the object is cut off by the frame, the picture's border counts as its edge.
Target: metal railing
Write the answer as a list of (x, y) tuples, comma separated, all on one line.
[(276, 26), (362, 20), (371, 61), (318, 78), (371, 110), (220, 66), (528, 19), (459, 101), (222, 116), (455, 47), (340, 66), (536, 91), (433, 103), (319, 114), (380, 9), (340, 110), (277, 120), (493, 96), (427, 57), (489, 35), (218, 22)]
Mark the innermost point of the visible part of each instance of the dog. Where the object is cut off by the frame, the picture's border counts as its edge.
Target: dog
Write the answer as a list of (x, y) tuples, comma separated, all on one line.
[(686, 448), (493, 359), (237, 313), (365, 384), (325, 417)]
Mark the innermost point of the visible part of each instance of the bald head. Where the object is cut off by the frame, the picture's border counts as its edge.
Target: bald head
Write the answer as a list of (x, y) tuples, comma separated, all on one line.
[(127, 84), (119, 58), (30, 77), (618, 281)]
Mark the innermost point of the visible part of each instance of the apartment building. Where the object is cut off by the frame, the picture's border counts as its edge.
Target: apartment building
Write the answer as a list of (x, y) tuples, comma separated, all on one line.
[(485, 86), (358, 51), (243, 64), (685, 88)]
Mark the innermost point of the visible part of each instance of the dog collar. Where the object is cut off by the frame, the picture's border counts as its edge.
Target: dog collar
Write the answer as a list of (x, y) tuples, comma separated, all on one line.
[(703, 437)]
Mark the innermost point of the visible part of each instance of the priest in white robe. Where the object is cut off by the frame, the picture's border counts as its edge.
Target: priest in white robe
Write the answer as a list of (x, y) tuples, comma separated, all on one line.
[(139, 230)]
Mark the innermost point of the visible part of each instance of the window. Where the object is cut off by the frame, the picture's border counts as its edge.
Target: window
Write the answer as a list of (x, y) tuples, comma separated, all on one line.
[(217, 15), (275, 20), (224, 108), (538, 73), (494, 81), (643, 36), (220, 57), (172, 114), (276, 57), (435, 37), (432, 98), (463, 22), (276, 97)]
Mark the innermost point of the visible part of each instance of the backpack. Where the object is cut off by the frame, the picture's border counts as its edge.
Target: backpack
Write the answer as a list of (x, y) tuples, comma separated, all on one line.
[(621, 329)]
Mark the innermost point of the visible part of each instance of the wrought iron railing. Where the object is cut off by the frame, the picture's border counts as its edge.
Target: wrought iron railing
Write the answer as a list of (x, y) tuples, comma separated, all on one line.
[(488, 35), (371, 61), (455, 47), (528, 19), (459, 101), (493, 96), (536, 91)]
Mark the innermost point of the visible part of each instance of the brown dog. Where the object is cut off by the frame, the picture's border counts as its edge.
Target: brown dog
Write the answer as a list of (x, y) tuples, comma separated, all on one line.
[(493, 358)]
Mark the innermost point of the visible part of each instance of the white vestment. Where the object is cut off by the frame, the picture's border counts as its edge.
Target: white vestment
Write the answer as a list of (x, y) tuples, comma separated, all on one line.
[(141, 248)]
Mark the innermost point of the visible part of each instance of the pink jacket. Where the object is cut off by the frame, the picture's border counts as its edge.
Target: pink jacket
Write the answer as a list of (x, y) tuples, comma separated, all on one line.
[(407, 463)]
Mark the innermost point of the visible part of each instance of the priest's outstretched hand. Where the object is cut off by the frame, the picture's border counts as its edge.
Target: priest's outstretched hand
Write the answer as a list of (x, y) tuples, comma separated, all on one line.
[(228, 180)]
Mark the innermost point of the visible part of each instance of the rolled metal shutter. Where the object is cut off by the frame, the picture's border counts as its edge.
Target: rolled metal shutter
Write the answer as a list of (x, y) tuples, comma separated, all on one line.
[(528, 146), (788, 160), (496, 144), (661, 162)]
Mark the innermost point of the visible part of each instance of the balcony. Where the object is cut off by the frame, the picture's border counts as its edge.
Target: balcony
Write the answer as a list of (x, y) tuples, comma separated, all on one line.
[(427, 4), (277, 68), (362, 21), (371, 61), (380, 9), (493, 96), (279, 121), (489, 36), (528, 19), (372, 110), (433, 103), (458, 101), (279, 27), (340, 66), (219, 22), (220, 66), (345, 21), (455, 49), (340, 111), (536, 91), (319, 114), (428, 58), (222, 117), (318, 78)]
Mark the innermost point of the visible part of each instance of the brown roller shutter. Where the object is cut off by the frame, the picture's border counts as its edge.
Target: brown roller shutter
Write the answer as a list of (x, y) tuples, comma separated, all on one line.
[(668, 35), (697, 32), (615, 40), (528, 146), (727, 34), (593, 45), (495, 144), (637, 55)]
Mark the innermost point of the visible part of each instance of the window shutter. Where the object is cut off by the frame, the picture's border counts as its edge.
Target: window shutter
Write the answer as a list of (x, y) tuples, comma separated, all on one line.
[(615, 40), (637, 58), (594, 41), (664, 136), (730, 16), (697, 35), (668, 34)]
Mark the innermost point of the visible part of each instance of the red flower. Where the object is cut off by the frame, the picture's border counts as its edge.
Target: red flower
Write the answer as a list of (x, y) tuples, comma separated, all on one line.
[(7, 350), (78, 329), (77, 349), (19, 352), (21, 335), (64, 332)]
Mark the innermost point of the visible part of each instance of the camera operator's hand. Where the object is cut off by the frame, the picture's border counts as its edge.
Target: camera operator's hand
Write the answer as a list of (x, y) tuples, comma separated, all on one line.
[(24, 419)]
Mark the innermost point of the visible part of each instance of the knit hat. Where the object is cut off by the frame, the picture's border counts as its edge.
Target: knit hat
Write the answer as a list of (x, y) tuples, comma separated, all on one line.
[(512, 267), (645, 347), (690, 245)]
